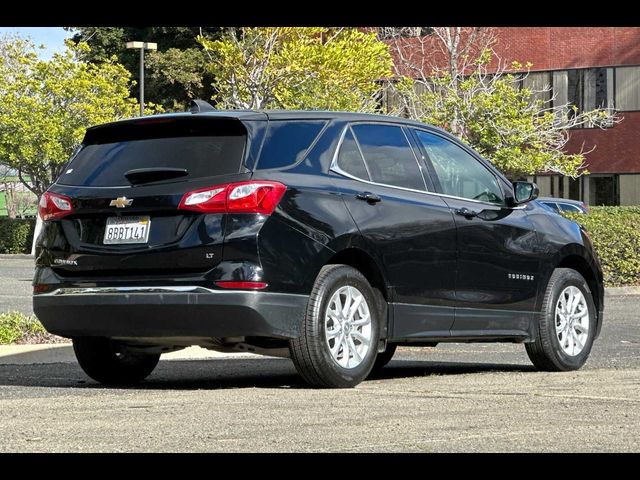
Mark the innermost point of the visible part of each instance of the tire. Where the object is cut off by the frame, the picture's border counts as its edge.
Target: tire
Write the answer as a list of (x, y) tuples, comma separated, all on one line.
[(552, 350), (384, 357), (107, 362), (312, 353)]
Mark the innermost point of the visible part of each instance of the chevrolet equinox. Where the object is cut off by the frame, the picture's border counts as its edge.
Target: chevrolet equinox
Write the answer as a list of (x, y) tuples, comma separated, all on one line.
[(330, 238)]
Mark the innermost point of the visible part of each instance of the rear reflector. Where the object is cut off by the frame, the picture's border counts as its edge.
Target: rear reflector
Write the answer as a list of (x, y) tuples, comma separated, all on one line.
[(242, 285), (53, 206), (242, 197), (41, 288)]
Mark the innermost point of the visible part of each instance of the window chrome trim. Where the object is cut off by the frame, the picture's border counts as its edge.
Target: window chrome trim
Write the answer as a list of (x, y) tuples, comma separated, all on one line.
[(334, 167)]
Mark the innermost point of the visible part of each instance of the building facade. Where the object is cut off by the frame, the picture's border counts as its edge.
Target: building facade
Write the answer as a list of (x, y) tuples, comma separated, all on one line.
[(587, 67)]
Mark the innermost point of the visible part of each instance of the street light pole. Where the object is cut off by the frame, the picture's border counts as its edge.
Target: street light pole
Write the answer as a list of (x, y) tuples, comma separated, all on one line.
[(142, 46), (141, 82)]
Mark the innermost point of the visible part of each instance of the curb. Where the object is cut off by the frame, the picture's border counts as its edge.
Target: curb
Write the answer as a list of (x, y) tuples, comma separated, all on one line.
[(63, 353), (18, 256), (621, 291)]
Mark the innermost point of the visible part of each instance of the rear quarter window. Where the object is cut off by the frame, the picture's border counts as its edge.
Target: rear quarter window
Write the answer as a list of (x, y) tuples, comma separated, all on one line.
[(287, 141)]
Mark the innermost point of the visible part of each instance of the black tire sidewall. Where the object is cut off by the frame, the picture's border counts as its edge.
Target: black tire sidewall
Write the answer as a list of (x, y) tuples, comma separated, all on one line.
[(338, 278), (564, 361), (98, 359)]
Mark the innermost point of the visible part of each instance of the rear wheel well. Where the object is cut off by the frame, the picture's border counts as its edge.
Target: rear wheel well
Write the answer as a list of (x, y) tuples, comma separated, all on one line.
[(581, 266), (365, 264)]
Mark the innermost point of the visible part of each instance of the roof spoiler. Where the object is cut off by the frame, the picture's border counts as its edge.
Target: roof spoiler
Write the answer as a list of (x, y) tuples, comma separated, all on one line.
[(199, 106)]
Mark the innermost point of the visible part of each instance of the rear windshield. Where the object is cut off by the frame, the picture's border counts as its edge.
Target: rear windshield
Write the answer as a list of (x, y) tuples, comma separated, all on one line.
[(204, 148)]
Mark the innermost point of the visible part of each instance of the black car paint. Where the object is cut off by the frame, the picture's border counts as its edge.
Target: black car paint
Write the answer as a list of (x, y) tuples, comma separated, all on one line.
[(446, 276)]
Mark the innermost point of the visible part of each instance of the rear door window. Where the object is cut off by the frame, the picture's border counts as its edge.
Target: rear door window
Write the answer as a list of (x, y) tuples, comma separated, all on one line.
[(202, 148), (388, 155), (287, 141)]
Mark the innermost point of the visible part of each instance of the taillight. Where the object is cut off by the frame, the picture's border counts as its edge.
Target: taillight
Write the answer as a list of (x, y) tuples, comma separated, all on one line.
[(205, 200), (53, 206), (243, 197)]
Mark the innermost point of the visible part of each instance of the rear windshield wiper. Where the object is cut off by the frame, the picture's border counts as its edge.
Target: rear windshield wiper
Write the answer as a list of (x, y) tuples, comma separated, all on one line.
[(147, 175)]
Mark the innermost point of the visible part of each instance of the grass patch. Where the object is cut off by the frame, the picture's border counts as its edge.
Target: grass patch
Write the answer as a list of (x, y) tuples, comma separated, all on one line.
[(16, 327)]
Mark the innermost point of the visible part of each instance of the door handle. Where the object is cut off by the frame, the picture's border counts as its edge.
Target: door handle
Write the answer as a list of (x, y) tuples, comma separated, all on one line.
[(465, 212), (368, 197)]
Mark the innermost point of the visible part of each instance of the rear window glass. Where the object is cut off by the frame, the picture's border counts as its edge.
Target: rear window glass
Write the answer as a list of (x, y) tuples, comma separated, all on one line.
[(202, 148), (287, 141)]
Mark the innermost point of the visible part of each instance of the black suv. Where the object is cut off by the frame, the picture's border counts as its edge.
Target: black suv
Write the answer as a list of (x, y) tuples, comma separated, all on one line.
[(328, 237)]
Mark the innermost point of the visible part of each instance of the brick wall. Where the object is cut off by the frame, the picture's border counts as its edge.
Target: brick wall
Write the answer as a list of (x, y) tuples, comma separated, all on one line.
[(617, 149), (551, 48)]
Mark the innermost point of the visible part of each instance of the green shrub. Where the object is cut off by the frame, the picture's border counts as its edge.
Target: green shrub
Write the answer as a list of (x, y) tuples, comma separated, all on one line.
[(16, 235), (615, 233), (16, 327)]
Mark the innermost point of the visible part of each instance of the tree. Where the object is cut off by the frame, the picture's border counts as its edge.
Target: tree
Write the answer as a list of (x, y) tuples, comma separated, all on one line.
[(298, 68), (46, 106), (453, 79), (174, 74)]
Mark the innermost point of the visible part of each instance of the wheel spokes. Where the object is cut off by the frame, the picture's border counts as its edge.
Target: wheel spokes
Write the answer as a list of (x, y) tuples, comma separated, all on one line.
[(347, 326), (572, 320), (365, 320), (347, 302), (354, 350), (354, 306)]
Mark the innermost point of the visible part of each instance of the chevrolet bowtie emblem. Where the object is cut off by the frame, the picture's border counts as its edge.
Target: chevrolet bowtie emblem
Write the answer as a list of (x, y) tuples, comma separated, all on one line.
[(121, 202)]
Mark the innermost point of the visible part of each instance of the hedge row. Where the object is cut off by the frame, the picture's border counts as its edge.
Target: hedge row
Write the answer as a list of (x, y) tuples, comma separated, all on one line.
[(16, 235), (615, 233)]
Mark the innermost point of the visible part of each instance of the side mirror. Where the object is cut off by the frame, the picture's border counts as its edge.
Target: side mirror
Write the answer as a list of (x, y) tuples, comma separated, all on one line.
[(524, 192)]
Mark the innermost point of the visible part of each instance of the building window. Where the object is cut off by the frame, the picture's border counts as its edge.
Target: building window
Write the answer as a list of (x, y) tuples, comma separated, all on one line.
[(574, 188), (628, 88), (539, 83), (386, 33), (603, 190), (583, 90)]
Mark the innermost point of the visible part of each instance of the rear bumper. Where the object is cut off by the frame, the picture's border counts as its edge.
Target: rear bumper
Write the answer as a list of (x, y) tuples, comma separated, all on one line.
[(169, 312)]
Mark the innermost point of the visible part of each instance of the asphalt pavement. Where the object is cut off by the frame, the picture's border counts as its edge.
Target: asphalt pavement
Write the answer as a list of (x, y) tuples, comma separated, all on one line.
[(16, 274), (468, 397)]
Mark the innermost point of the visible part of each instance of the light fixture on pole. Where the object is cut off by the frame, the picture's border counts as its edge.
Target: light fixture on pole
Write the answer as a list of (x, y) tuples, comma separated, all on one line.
[(142, 46)]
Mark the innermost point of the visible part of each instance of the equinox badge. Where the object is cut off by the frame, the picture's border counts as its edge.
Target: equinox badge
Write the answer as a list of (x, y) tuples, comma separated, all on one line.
[(121, 202)]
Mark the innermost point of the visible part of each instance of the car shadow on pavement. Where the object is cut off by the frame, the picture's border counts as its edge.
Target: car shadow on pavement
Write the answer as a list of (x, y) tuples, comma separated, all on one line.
[(228, 373)]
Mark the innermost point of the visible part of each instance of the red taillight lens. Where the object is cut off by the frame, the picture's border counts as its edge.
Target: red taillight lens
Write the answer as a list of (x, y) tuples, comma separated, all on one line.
[(254, 197), (242, 285), (53, 206), (206, 200), (243, 197)]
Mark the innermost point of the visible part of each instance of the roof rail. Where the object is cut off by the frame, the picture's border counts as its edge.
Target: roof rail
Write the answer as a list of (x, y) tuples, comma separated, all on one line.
[(199, 106)]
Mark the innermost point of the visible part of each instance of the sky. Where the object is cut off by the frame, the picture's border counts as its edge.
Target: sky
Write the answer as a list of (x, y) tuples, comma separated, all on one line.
[(51, 37)]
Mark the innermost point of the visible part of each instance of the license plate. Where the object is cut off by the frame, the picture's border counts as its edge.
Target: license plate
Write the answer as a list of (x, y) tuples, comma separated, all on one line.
[(127, 230)]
